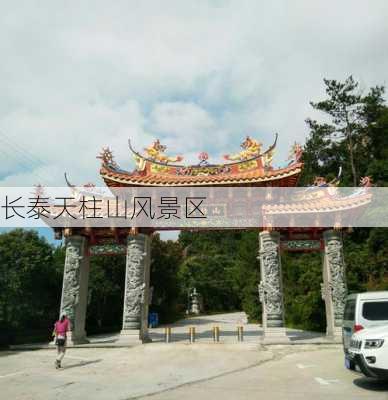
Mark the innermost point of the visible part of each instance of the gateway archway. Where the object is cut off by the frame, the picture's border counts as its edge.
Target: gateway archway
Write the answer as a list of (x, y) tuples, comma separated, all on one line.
[(249, 168)]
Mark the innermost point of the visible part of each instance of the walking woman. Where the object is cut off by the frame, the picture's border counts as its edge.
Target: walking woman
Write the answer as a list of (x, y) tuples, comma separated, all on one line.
[(61, 327)]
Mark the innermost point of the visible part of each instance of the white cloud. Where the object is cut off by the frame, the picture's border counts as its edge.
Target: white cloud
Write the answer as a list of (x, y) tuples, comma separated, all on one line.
[(186, 126), (201, 75)]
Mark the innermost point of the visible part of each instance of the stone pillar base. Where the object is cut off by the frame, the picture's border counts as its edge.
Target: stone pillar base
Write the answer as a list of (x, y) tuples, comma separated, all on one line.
[(73, 339), (133, 336), (275, 336), (335, 335)]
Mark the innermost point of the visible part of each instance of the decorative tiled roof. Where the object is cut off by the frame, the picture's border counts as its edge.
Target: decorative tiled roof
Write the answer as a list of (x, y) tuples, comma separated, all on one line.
[(321, 204), (255, 176), (249, 167)]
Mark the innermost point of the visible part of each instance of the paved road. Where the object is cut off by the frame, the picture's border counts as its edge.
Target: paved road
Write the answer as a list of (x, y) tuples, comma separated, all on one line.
[(204, 324), (301, 375), (176, 371)]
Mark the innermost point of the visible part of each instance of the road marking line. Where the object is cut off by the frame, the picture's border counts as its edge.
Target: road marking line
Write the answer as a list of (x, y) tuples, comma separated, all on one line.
[(11, 374), (322, 381)]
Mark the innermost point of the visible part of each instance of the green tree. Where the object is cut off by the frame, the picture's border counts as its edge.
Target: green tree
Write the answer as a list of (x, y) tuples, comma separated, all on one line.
[(166, 290), (302, 276), (209, 267), (30, 283), (222, 265), (343, 106), (106, 293), (247, 275), (354, 136)]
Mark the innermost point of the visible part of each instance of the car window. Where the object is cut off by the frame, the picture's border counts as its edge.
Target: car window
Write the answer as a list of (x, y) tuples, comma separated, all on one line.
[(350, 308), (375, 310)]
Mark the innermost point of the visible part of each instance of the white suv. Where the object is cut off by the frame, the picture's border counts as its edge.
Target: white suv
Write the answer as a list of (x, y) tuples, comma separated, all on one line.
[(369, 351), (363, 311)]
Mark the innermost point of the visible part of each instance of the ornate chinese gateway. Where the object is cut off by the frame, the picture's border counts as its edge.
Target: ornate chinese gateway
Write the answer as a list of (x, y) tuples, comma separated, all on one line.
[(250, 167)]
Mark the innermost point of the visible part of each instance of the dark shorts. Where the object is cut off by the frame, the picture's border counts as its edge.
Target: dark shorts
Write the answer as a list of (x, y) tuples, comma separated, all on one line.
[(60, 342)]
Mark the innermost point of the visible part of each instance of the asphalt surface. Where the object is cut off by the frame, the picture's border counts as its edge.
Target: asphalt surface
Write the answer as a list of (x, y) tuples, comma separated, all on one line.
[(179, 370), (176, 371), (317, 374)]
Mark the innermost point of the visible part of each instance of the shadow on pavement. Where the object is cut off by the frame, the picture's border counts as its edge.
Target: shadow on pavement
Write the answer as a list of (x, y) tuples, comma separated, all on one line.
[(81, 364), (371, 384), (304, 335), (103, 341), (6, 353)]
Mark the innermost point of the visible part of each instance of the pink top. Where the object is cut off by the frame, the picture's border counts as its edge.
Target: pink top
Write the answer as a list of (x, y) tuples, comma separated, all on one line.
[(62, 327)]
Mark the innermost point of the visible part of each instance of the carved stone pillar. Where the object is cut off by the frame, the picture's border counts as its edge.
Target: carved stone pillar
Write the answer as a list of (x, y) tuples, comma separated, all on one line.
[(75, 287), (137, 281), (334, 283), (271, 287)]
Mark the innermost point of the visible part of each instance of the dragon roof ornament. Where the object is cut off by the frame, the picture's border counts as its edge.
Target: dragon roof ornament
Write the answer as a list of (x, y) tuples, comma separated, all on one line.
[(156, 151), (251, 151), (251, 148), (296, 152)]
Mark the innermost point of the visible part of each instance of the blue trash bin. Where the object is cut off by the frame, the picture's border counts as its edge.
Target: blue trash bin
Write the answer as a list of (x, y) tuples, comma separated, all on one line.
[(153, 320)]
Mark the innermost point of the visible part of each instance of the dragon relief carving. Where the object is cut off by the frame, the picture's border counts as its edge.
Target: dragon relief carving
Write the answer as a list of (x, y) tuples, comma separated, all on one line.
[(270, 286), (71, 285), (135, 285), (337, 284)]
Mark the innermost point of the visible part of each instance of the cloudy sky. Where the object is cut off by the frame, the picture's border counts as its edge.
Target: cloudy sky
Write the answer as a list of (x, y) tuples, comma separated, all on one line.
[(199, 75)]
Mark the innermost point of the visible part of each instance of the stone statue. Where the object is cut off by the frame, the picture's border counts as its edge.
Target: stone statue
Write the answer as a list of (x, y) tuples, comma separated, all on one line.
[(194, 302)]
